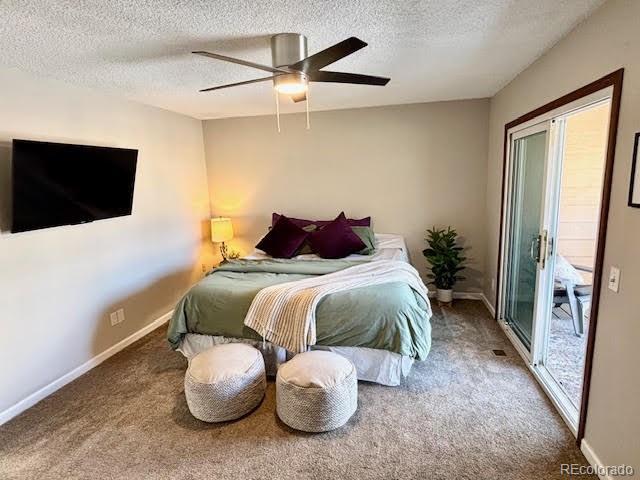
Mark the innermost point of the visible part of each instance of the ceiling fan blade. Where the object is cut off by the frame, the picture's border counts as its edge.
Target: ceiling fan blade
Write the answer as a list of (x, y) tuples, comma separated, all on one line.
[(341, 77), (236, 84), (329, 55), (246, 63), (300, 97)]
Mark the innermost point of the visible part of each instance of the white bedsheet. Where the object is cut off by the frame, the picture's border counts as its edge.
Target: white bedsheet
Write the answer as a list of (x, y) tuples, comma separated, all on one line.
[(372, 365)]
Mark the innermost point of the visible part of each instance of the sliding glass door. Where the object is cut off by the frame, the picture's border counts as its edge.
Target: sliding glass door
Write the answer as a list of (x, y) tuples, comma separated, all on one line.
[(552, 192), (525, 242)]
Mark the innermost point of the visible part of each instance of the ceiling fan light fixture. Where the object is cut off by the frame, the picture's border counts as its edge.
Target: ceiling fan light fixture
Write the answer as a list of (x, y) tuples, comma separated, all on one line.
[(290, 83), (293, 68), (291, 88)]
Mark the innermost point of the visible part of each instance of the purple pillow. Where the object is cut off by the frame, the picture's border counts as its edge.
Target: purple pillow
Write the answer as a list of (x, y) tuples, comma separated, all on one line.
[(300, 222), (284, 239), (336, 239)]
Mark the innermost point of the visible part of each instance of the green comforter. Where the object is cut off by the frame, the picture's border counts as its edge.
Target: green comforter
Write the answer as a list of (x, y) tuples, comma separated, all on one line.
[(389, 316)]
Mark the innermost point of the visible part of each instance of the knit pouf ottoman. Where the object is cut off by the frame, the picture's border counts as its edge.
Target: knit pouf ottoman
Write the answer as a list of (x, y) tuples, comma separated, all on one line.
[(225, 382), (316, 391)]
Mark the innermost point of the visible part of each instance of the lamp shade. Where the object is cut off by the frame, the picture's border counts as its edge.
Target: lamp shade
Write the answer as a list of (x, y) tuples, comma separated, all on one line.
[(221, 229)]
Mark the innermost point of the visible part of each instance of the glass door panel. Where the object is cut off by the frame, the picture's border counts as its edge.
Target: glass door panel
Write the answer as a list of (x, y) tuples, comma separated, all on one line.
[(528, 158)]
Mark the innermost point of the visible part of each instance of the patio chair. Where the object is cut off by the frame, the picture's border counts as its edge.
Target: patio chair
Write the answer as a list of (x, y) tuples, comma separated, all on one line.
[(576, 295)]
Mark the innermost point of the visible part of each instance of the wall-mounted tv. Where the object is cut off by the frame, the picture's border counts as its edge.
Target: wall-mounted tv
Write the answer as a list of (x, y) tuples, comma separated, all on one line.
[(62, 184)]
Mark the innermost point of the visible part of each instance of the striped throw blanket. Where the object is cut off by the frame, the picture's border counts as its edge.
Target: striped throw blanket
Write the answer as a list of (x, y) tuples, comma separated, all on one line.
[(284, 314)]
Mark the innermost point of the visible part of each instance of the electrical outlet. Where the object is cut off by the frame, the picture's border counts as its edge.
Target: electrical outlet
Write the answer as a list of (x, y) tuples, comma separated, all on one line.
[(493, 284), (116, 317), (614, 279), (204, 268)]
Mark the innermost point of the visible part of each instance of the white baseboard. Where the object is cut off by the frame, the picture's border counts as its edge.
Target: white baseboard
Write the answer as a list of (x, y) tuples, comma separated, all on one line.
[(471, 296), (593, 459), (488, 304), (467, 295), (460, 295), (47, 390)]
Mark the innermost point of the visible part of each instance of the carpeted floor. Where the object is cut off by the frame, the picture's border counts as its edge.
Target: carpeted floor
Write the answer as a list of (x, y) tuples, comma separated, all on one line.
[(463, 414)]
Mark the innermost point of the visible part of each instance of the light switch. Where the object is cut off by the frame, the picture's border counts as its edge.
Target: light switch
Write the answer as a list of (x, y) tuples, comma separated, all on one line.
[(113, 318), (614, 279)]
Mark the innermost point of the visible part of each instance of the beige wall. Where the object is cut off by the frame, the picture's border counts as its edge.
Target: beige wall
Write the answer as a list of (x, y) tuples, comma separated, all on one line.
[(581, 185), (57, 286), (409, 167), (605, 42)]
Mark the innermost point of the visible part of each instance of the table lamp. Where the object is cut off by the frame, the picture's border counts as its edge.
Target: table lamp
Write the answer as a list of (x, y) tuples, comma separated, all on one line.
[(221, 232)]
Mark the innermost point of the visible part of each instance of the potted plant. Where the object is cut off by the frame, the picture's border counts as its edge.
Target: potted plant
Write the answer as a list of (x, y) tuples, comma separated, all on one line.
[(445, 258)]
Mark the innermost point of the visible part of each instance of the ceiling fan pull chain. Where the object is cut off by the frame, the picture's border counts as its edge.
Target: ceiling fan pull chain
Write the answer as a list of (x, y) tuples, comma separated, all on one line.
[(307, 103), (277, 109)]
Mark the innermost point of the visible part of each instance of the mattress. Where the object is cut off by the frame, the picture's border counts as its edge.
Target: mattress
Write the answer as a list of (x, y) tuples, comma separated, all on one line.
[(381, 328)]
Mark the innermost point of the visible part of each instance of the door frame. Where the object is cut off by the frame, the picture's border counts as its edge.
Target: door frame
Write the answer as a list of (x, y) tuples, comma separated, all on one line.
[(614, 80), (524, 131)]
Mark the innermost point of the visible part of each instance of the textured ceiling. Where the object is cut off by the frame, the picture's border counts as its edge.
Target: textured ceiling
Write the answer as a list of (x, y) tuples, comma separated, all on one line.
[(432, 50)]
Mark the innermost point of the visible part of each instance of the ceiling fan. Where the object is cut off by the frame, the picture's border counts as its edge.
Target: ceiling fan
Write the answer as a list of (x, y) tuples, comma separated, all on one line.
[(293, 69)]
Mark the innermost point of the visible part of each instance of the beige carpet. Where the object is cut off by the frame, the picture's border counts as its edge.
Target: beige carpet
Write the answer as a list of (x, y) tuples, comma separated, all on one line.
[(463, 414)]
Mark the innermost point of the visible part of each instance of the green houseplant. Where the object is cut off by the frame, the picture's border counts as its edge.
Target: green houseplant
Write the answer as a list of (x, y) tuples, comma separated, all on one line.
[(446, 260)]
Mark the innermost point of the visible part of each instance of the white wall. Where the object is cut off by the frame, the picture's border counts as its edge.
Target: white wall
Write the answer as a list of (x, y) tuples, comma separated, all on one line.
[(409, 167), (57, 286), (608, 40)]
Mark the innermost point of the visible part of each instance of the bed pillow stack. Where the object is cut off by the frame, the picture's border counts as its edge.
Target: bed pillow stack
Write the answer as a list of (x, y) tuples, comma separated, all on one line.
[(302, 223), (368, 238), (336, 238), (284, 239)]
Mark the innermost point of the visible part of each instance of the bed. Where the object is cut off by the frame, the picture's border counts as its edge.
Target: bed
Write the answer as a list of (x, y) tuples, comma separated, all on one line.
[(382, 328)]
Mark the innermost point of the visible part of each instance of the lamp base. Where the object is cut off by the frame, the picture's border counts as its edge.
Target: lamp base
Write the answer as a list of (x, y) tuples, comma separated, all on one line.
[(224, 251)]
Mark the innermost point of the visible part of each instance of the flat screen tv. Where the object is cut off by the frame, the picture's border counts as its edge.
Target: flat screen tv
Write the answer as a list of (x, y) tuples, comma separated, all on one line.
[(61, 184)]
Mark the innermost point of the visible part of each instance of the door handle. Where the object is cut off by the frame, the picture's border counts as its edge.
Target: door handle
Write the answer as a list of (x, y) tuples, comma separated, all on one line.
[(539, 250), (534, 249), (550, 247), (544, 246)]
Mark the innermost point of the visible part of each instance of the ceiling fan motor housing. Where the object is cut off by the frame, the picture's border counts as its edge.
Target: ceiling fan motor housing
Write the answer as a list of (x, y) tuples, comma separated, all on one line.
[(287, 49)]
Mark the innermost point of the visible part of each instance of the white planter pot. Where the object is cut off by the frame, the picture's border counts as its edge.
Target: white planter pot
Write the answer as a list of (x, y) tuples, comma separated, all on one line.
[(444, 296)]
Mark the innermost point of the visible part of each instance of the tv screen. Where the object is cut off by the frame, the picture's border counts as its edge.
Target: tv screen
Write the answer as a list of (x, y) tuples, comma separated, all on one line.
[(61, 184)]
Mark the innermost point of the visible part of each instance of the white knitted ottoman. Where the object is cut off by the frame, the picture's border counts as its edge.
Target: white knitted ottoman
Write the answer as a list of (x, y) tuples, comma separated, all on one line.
[(225, 382), (316, 391)]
